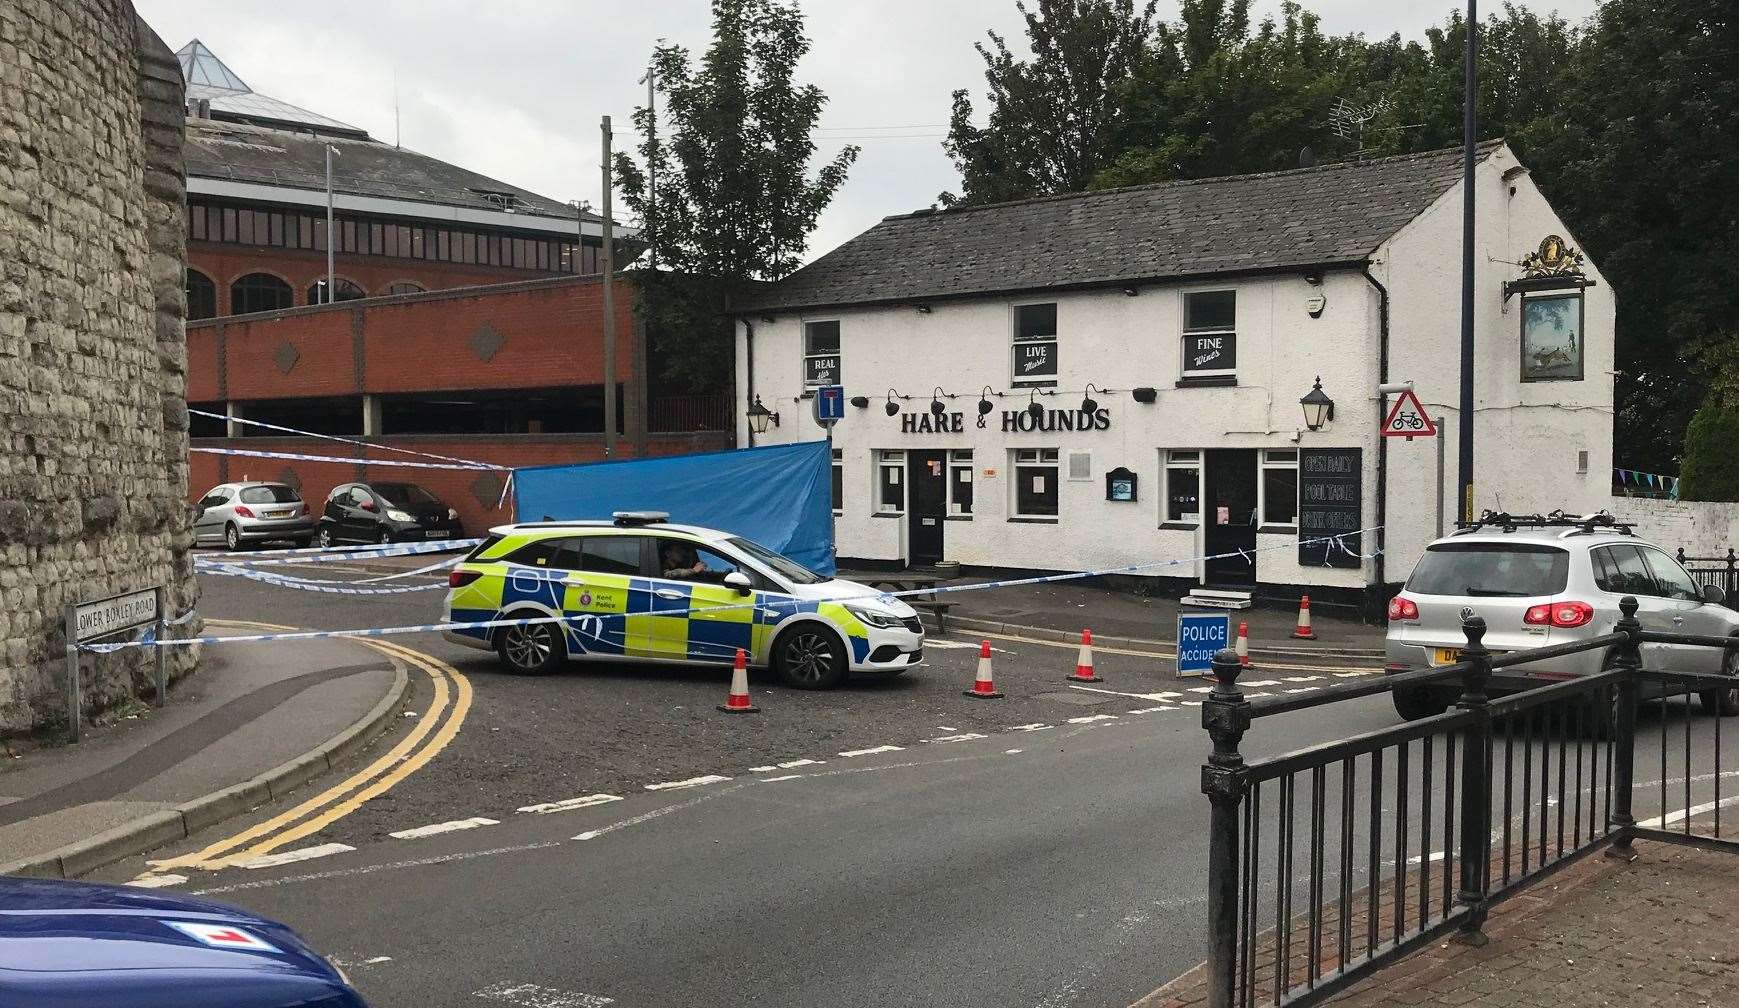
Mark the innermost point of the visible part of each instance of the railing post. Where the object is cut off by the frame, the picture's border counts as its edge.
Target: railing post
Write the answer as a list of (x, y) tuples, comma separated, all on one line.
[(1624, 727), (1475, 781), (1226, 716), (1732, 585)]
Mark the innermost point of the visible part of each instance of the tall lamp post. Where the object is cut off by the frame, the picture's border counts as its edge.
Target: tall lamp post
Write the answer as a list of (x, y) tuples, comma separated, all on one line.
[(1469, 127), (331, 238)]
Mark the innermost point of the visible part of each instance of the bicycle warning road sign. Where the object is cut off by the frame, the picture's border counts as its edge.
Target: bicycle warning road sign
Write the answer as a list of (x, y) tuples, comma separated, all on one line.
[(1408, 419)]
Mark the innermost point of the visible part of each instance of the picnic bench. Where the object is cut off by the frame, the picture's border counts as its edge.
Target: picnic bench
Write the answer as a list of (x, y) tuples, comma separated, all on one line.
[(904, 581)]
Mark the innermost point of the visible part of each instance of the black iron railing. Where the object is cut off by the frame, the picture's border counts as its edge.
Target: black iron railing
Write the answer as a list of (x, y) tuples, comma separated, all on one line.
[(681, 414), (1720, 571), (1327, 863)]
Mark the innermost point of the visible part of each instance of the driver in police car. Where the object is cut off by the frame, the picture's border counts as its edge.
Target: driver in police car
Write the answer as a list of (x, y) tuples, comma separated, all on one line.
[(680, 561)]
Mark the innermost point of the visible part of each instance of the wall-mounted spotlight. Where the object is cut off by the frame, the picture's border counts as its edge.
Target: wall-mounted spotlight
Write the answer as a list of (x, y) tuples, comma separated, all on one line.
[(1089, 404), (1033, 408), (936, 406), (861, 402), (984, 405), (893, 408)]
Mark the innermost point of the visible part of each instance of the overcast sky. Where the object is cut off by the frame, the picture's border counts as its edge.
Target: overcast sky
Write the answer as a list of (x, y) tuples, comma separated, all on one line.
[(515, 88)]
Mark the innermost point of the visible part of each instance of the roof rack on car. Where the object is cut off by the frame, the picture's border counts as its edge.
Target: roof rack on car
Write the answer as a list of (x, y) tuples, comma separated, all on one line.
[(632, 519), (1586, 524)]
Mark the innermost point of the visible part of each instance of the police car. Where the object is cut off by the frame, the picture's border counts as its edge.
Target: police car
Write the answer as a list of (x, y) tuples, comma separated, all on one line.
[(639, 588), (67, 944)]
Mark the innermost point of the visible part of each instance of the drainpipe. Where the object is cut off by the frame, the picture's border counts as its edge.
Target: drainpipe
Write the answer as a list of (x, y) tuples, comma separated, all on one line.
[(1382, 442), (749, 358)]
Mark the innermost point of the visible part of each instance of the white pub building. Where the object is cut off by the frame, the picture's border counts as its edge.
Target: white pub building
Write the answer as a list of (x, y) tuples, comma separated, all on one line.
[(1190, 371)]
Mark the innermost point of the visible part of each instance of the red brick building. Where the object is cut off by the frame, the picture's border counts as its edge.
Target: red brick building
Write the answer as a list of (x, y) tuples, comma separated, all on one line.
[(466, 318), (509, 374)]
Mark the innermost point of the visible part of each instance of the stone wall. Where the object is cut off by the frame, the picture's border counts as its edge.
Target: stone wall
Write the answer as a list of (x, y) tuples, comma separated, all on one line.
[(93, 440)]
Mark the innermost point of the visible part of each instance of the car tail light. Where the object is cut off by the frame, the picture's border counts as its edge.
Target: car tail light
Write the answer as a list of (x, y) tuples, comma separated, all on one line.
[(1403, 608), (461, 578), (1566, 615), (242, 510)]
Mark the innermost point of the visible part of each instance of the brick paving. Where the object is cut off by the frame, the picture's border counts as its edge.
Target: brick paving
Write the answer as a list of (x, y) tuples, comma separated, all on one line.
[(1662, 929)]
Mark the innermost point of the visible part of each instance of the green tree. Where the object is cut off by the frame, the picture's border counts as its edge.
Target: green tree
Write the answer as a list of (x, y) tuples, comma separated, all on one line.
[(1054, 118), (735, 198), (1707, 472)]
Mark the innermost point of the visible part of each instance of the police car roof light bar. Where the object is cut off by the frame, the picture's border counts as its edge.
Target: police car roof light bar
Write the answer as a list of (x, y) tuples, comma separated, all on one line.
[(633, 519)]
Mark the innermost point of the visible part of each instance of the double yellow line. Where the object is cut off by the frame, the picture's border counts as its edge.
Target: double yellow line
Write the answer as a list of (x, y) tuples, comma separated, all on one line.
[(435, 728)]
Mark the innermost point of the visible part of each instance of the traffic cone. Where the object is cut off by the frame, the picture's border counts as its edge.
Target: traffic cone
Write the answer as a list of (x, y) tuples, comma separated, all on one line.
[(1304, 632), (1084, 663), (1244, 644), (738, 701), (984, 687)]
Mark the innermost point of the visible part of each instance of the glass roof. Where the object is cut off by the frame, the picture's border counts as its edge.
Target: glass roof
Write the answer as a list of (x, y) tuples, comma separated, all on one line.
[(200, 65)]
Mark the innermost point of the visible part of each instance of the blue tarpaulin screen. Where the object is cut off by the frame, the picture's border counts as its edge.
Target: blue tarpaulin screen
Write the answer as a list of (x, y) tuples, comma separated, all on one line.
[(780, 496)]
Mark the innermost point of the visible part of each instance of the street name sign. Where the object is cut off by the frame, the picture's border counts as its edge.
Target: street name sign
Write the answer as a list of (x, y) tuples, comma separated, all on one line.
[(113, 615), (89, 621), (1199, 636)]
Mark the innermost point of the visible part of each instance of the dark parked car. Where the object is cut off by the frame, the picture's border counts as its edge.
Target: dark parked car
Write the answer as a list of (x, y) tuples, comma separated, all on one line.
[(76, 945), (383, 513)]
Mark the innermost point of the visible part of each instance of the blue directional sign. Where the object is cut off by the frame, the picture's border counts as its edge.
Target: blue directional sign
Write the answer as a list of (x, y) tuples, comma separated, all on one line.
[(829, 404), (1199, 635)]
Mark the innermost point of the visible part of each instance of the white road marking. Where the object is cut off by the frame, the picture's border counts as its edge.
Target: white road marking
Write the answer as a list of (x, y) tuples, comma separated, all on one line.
[(1152, 710), (1350, 675), (292, 856), (529, 995), (1302, 678), (1090, 718), (966, 737), (1133, 696), (657, 812), (1012, 752), (1301, 689), (569, 804), (371, 869), (350, 964), (789, 776), (787, 765), (871, 752), (762, 769), (443, 827), (691, 782), (1035, 726), (1663, 821), (943, 727), (1210, 689), (157, 881)]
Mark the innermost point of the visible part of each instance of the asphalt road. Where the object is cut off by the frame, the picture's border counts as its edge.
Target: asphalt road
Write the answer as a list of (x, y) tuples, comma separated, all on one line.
[(985, 861)]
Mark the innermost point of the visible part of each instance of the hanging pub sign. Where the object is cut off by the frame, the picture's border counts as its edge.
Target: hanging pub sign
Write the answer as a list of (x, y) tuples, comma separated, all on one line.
[(1552, 315), (1330, 503), (1209, 353), (1035, 360)]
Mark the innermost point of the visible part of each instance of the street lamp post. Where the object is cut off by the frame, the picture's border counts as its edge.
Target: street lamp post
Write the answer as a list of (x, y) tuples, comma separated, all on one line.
[(1469, 127), (331, 238)]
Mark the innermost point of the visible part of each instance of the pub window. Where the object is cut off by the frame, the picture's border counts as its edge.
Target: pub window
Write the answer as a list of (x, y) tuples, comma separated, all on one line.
[(1183, 488), (201, 296), (1210, 336), (820, 354), (259, 292), (1035, 483), (1279, 487), (960, 483), (890, 482), (1035, 344), (838, 481)]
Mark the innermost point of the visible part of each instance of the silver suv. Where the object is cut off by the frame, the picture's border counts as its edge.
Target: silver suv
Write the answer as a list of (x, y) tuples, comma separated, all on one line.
[(1549, 580), (240, 514)]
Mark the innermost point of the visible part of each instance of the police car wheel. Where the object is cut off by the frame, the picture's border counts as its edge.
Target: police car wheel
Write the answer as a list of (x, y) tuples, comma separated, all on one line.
[(809, 657), (533, 649)]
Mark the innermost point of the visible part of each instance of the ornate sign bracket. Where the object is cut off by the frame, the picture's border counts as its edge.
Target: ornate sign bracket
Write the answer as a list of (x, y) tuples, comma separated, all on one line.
[(1554, 266)]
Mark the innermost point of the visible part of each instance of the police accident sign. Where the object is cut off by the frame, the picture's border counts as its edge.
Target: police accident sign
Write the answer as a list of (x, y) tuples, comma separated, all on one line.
[(1199, 636)]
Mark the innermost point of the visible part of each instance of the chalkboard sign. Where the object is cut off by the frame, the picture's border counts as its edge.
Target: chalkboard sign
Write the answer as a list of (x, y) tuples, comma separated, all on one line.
[(1209, 353), (1330, 503)]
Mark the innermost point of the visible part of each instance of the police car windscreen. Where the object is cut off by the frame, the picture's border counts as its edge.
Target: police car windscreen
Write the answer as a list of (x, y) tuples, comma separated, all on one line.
[(782, 566), (1491, 570)]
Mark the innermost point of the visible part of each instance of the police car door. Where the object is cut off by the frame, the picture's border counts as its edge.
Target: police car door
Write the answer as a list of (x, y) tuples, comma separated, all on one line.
[(717, 619), (605, 589)]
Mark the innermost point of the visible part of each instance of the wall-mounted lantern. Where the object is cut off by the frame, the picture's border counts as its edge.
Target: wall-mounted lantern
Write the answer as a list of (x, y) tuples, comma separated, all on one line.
[(1318, 407), (760, 417)]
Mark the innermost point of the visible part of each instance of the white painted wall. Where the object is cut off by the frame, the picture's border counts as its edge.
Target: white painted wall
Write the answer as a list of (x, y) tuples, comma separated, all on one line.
[(1111, 340), (1700, 528), (1527, 436)]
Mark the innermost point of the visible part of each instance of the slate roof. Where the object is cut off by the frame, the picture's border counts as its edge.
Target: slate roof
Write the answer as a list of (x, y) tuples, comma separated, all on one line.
[(241, 152), (1330, 214)]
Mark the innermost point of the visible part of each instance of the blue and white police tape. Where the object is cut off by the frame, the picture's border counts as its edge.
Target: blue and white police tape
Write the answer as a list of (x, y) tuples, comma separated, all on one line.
[(341, 460), (242, 570), (324, 587), (313, 556), (425, 547), (596, 620), (464, 463)]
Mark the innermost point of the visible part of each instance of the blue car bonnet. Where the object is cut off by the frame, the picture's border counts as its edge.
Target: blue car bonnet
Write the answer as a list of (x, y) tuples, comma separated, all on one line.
[(73, 943)]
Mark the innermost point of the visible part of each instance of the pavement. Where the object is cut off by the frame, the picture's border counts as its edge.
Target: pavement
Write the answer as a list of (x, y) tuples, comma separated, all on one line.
[(254, 721), (1604, 933)]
